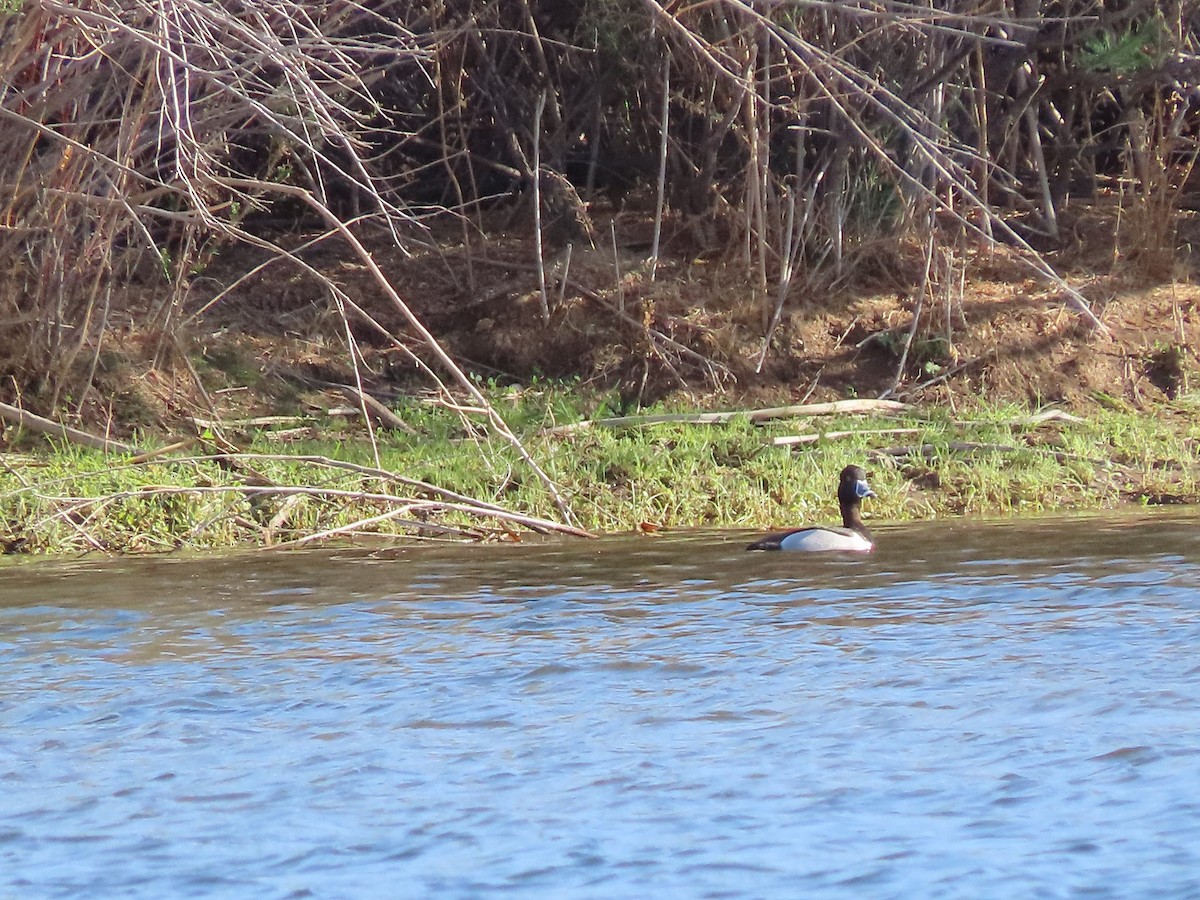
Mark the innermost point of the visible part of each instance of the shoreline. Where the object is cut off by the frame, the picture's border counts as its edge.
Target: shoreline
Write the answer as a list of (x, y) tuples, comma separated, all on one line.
[(446, 480)]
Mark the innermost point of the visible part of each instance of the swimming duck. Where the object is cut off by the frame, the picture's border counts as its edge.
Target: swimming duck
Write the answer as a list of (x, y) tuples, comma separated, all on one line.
[(852, 487)]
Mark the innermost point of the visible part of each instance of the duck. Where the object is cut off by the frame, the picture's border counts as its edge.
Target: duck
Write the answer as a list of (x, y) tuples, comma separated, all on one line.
[(853, 536)]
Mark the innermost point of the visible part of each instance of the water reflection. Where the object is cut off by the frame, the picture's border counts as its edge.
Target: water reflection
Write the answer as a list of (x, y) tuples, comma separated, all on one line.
[(976, 709)]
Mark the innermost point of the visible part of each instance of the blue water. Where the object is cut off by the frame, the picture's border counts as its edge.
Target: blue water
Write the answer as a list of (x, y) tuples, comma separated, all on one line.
[(976, 710)]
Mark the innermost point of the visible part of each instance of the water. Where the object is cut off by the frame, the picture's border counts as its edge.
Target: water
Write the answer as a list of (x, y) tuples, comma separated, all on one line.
[(999, 710)]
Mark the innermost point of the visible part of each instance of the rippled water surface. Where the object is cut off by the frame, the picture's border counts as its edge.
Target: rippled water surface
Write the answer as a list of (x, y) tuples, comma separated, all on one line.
[(1000, 710)]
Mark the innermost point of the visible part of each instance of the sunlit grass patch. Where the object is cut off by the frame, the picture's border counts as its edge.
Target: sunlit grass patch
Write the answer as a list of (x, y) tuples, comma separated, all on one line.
[(922, 463)]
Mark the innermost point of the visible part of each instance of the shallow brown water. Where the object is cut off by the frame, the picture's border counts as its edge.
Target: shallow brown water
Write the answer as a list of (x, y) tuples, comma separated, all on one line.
[(994, 710)]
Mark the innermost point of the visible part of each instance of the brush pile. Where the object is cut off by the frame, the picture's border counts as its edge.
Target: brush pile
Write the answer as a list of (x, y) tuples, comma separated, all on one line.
[(139, 136)]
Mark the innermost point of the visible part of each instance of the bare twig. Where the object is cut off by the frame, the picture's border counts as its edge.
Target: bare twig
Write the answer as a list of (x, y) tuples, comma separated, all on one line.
[(791, 440), (916, 318), (836, 407), (417, 325), (25, 419), (660, 197), (537, 206)]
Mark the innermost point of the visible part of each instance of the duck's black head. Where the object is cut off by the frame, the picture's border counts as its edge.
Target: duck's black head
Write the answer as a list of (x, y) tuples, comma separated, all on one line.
[(852, 487)]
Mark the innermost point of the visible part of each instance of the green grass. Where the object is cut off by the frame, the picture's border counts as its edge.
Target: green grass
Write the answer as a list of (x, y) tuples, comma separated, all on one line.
[(976, 462)]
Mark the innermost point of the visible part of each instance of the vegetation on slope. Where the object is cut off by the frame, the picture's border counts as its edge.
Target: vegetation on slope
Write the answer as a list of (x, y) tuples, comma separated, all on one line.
[(660, 470), (178, 173)]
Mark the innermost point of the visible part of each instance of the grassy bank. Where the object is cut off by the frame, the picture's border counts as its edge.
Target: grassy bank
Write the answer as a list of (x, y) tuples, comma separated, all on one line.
[(449, 479)]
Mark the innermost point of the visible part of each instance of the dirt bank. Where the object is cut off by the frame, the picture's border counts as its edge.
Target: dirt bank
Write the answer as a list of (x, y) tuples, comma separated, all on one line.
[(689, 328)]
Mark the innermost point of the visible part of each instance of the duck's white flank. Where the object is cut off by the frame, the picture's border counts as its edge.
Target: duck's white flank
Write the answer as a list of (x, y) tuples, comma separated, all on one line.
[(815, 540)]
